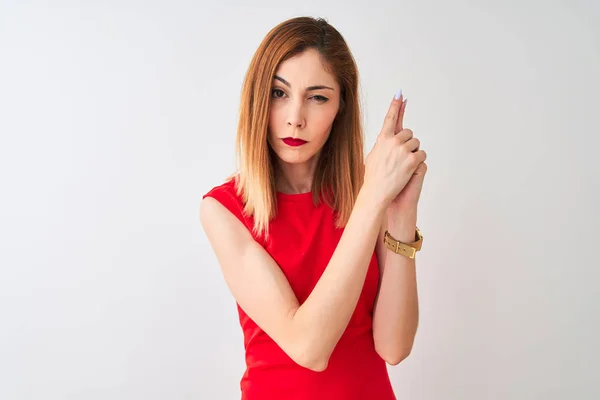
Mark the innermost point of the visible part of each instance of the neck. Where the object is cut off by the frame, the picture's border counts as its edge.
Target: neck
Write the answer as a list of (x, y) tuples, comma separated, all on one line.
[(295, 178)]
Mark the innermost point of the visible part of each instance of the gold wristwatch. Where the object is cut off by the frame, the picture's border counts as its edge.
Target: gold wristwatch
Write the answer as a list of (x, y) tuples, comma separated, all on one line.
[(406, 249)]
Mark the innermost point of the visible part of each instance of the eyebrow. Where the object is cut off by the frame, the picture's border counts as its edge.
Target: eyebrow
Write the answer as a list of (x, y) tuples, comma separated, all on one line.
[(286, 83)]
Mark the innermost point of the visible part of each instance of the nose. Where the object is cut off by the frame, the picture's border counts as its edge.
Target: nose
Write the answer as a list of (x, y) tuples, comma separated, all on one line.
[(295, 115)]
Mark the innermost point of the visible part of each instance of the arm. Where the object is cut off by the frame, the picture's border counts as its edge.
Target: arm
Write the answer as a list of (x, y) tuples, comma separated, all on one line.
[(308, 333), (396, 314)]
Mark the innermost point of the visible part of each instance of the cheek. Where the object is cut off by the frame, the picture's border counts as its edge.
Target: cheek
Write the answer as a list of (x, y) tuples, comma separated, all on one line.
[(274, 121), (322, 122)]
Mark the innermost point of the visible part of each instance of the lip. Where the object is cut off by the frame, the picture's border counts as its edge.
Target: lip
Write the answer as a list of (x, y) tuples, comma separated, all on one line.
[(294, 142)]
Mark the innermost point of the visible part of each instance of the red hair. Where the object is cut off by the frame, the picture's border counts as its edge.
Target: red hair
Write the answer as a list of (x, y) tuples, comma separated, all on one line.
[(341, 164)]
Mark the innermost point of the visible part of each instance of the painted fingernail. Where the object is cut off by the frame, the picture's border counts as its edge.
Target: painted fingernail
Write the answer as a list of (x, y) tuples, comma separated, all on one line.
[(398, 95)]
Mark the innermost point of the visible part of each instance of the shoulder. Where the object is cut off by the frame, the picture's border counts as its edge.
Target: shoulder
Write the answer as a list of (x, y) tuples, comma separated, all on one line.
[(226, 189), (225, 194)]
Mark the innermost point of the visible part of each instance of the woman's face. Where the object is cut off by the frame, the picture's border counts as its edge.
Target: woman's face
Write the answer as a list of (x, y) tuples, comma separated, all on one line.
[(305, 99)]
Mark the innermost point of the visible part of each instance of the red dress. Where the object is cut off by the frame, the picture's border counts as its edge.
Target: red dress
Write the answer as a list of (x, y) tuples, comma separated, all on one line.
[(302, 239)]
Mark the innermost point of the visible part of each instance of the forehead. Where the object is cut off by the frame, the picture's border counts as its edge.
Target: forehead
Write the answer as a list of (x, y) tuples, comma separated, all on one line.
[(306, 69)]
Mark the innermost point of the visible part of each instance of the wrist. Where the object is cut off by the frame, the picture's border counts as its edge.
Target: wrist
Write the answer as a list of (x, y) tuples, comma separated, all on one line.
[(373, 198), (402, 225)]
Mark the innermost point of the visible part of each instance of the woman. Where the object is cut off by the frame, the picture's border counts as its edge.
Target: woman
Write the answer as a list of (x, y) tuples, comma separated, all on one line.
[(300, 230)]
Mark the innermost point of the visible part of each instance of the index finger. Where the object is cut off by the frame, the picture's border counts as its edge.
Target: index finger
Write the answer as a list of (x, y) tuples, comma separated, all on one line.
[(391, 118), (400, 122)]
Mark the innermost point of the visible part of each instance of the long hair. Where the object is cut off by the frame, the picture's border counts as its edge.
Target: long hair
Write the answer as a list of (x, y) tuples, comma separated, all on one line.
[(340, 169)]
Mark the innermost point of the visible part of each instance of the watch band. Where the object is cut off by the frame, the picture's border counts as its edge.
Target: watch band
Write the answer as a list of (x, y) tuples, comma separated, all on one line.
[(406, 249)]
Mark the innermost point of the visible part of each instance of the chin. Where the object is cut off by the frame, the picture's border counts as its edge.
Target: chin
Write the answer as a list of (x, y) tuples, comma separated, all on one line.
[(295, 156)]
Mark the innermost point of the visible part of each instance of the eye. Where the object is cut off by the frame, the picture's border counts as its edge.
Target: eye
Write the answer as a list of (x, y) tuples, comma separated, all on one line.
[(320, 99), (277, 93)]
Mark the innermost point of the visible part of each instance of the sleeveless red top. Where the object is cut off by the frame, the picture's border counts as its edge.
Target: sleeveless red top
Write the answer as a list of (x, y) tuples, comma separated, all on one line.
[(302, 239)]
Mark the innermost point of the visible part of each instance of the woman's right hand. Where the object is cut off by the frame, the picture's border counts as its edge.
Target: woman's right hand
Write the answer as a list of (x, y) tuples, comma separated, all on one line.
[(394, 157)]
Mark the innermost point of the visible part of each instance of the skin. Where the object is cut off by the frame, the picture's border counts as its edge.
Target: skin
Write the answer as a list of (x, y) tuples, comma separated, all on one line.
[(309, 332), (299, 112)]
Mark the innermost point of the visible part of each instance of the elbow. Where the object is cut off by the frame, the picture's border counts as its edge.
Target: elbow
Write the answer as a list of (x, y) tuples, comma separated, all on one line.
[(313, 362), (317, 365), (307, 349), (308, 356), (395, 356)]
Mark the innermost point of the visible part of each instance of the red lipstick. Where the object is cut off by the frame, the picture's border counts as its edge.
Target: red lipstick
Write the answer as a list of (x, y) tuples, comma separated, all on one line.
[(293, 142)]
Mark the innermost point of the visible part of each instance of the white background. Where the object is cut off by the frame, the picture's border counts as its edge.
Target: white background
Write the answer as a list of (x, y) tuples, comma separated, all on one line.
[(116, 116)]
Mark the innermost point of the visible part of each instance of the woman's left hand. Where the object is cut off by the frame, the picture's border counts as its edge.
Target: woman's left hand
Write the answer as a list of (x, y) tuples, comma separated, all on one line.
[(408, 198)]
